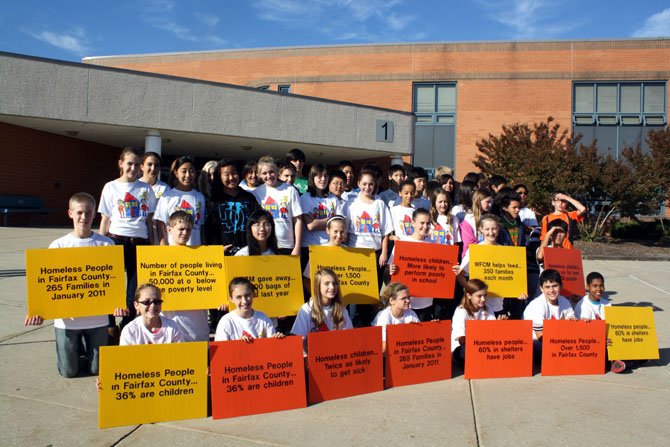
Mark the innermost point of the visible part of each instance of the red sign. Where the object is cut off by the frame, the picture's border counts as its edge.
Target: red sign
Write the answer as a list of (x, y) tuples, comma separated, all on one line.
[(573, 347), (418, 353), (344, 363), (259, 377), (498, 348), (426, 268), (568, 262)]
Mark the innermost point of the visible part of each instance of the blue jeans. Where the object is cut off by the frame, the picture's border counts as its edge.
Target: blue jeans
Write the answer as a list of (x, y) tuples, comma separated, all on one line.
[(71, 343)]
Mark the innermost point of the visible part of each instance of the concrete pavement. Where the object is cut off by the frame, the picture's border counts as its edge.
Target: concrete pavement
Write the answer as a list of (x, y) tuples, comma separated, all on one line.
[(38, 407)]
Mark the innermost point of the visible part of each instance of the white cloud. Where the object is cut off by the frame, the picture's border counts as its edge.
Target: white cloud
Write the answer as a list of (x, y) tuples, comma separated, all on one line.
[(529, 19), (208, 19), (161, 15), (74, 41), (341, 19), (657, 25)]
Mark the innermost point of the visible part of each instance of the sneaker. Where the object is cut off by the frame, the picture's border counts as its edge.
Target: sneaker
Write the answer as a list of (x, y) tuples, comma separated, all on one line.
[(618, 366)]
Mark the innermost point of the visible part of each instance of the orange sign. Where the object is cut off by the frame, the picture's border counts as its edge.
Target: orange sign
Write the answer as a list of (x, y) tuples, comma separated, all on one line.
[(260, 377), (500, 348), (344, 363), (426, 268), (418, 353), (568, 262), (573, 347)]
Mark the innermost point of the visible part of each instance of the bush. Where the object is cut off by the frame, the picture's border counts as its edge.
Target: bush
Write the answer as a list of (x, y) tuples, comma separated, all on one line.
[(548, 159), (635, 229)]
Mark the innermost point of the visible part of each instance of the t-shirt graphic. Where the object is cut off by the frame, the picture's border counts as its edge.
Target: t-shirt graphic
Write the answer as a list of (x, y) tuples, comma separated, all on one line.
[(233, 216), (188, 208), (278, 210), (321, 211), (440, 236), (131, 206), (406, 225), (367, 224)]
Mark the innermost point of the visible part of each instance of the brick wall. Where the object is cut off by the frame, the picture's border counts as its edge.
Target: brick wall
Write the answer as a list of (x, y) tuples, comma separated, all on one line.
[(498, 83), (52, 167)]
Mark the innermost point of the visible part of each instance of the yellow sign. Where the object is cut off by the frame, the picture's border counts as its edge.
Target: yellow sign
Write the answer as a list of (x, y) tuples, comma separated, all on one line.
[(75, 282), (152, 383), (502, 268), (277, 279), (633, 333), (355, 267), (189, 277)]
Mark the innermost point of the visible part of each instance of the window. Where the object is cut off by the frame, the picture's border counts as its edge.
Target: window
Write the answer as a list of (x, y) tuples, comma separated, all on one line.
[(435, 133), (285, 89), (435, 103), (618, 114)]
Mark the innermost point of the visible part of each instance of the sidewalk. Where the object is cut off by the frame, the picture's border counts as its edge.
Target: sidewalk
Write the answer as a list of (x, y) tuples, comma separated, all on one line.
[(38, 407)]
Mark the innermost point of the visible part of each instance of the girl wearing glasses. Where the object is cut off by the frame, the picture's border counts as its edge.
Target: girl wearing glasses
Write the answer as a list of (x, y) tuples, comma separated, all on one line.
[(261, 238), (149, 327)]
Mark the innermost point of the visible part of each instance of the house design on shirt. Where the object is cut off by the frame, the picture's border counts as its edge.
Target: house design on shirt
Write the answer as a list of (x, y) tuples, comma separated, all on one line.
[(321, 212), (271, 206), (131, 207), (406, 225), (188, 208), (367, 224), (440, 235)]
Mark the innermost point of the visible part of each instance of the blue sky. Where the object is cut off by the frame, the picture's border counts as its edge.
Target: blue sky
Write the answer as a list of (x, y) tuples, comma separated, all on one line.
[(72, 29)]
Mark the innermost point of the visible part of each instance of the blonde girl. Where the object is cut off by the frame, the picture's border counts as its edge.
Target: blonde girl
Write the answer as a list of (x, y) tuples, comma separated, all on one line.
[(489, 227), (482, 199), (281, 200), (336, 229), (324, 311)]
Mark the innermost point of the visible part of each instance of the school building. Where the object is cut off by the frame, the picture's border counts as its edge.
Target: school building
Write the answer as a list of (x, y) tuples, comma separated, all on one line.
[(62, 123), (612, 90)]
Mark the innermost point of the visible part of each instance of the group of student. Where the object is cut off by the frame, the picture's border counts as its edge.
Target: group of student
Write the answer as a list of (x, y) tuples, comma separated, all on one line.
[(273, 209)]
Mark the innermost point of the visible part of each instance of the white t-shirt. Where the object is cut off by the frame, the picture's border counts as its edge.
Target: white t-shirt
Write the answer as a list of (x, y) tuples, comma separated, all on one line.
[(159, 188), (317, 208), (540, 309), (586, 308), (192, 202), (283, 203), (494, 304), (458, 323), (368, 223), (136, 333), (401, 216), (127, 205), (303, 324), (416, 302), (385, 317), (232, 326), (192, 324), (72, 241), (443, 231)]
